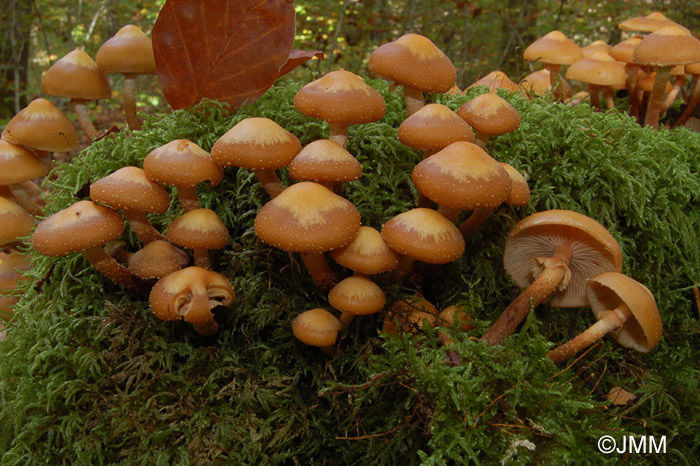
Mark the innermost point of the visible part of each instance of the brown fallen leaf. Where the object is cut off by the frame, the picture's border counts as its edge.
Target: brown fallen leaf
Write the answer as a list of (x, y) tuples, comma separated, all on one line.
[(228, 50), (298, 57), (619, 396)]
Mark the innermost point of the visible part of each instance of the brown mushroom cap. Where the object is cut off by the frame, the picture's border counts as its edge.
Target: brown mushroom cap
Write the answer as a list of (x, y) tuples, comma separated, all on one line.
[(693, 68), (82, 226), (539, 83), (434, 127), (198, 229), (42, 126), (11, 267), (18, 165), (415, 61), (16, 222), (366, 253), (462, 176), (411, 314), (489, 114), (340, 97), (667, 47), (593, 251), (519, 191), (357, 295), (256, 144), (129, 189), (325, 161), (182, 294), (554, 48), (77, 76), (496, 80), (181, 163), (599, 69), (425, 235), (595, 46), (624, 51), (157, 259), (316, 327), (609, 290), (129, 51), (649, 23), (307, 217)]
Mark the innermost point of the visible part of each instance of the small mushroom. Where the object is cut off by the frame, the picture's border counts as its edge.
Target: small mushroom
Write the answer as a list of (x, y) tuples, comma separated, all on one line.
[(157, 259), (84, 227), (410, 315), (40, 125), (191, 294), (600, 72), (258, 144), (325, 162), (624, 308), (496, 80), (367, 253), (183, 164), (317, 327), (553, 50), (15, 221), (489, 115), (356, 295), (17, 170), (553, 253), (199, 230), (432, 128), (128, 189)]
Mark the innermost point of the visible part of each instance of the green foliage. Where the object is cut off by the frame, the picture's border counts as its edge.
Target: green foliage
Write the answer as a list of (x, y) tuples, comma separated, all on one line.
[(88, 375)]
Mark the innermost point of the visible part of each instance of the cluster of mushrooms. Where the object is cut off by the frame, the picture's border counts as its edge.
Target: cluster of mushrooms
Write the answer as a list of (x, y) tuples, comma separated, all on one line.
[(558, 256)]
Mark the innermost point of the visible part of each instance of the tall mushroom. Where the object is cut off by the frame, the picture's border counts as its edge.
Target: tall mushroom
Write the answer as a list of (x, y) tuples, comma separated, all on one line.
[(183, 164), (128, 52), (128, 189), (554, 50), (191, 294), (258, 144), (624, 308), (414, 62), (308, 218), (624, 52), (342, 99), (552, 254), (84, 227), (77, 77)]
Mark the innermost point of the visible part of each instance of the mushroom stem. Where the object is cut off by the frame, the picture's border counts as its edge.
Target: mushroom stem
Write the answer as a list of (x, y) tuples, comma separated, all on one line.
[(678, 84), (428, 152), (481, 139), (608, 322), (338, 132), (403, 268), (201, 258), (593, 92), (554, 276), (632, 95), (609, 95), (188, 198), (130, 102), (449, 213), (555, 81), (207, 328), (692, 103), (414, 100), (317, 266), (475, 220), (142, 227), (21, 192), (345, 319), (109, 267), (86, 125), (270, 182), (655, 99)]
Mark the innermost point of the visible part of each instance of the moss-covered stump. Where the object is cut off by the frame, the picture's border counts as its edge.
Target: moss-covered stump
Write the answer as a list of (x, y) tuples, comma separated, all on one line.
[(88, 375)]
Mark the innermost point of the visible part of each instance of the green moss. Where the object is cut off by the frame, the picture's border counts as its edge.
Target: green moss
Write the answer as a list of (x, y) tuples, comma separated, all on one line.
[(88, 375)]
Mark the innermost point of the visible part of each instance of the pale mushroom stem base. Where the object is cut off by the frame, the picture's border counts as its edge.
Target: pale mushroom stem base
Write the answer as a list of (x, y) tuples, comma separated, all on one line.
[(86, 125), (270, 182), (594, 92), (678, 84), (338, 133), (656, 97), (692, 103), (317, 266), (475, 220), (201, 258), (608, 322), (609, 95), (553, 276), (109, 267), (142, 227), (414, 100), (188, 198), (555, 81), (130, 102)]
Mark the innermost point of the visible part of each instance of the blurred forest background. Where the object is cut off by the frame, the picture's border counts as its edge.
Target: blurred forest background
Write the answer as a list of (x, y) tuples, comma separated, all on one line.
[(479, 36)]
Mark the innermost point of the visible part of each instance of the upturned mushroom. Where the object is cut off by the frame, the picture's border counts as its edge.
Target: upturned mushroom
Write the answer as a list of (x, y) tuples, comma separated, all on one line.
[(624, 308), (84, 227), (552, 254), (199, 230), (130, 53), (416, 63), (183, 164), (553, 50), (77, 77), (129, 190), (17, 170), (191, 294), (432, 128), (325, 162), (310, 219), (342, 99), (489, 115), (260, 145)]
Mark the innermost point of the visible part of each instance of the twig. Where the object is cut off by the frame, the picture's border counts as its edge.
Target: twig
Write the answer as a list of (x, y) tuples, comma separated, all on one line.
[(696, 292), (476, 420)]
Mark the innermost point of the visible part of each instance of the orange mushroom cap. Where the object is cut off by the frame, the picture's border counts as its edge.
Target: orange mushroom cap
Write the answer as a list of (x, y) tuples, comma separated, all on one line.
[(434, 127), (157, 259), (554, 48), (129, 51), (489, 114), (18, 165), (496, 80), (366, 253), (42, 126), (325, 161), (357, 295), (129, 189), (181, 163), (316, 327), (600, 69), (16, 222), (668, 46), (77, 76), (198, 229)]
